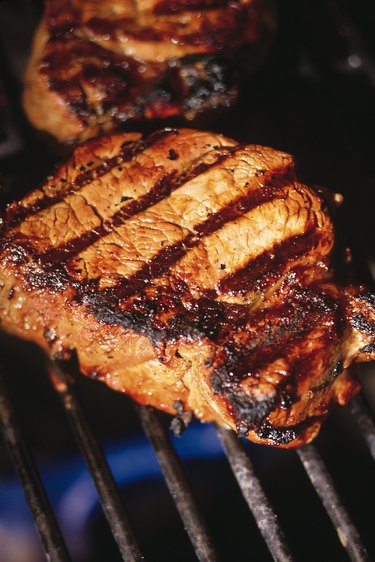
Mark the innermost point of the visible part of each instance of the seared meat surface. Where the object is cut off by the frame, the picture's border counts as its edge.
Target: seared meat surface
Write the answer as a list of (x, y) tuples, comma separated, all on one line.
[(193, 274), (97, 65)]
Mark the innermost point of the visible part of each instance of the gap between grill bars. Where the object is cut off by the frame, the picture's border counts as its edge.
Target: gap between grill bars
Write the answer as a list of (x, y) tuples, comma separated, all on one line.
[(250, 485)]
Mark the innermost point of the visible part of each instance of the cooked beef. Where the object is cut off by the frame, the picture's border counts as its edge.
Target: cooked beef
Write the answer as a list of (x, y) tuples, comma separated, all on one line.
[(183, 268), (98, 65)]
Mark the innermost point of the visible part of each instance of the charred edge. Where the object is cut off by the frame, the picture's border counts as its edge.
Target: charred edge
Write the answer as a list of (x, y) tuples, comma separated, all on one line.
[(208, 82), (280, 435), (205, 318), (247, 411), (271, 264), (369, 348), (250, 414), (368, 297), (161, 190), (360, 323), (283, 435), (129, 151), (182, 419), (140, 321), (252, 357)]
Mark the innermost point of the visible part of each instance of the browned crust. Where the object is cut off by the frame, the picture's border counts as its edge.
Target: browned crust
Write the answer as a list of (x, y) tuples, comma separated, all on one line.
[(95, 67), (45, 110), (184, 268)]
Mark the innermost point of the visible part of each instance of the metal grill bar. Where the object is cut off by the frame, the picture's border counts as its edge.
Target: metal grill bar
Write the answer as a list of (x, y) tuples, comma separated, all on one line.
[(44, 518), (323, 484), (97, 464), (362, 414), (178, 485), (252, 490)]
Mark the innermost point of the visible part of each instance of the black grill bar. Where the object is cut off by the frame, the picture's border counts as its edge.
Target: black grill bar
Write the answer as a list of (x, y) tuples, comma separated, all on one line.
[(174, 475), (178, 485), (44, 518), (365, 420), (97, 465), (252, 490), (323, 484)]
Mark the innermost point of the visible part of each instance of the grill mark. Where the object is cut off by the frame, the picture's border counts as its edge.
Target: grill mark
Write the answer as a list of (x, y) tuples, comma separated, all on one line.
[(267, 351), (369, 348), (128, 151), (161, 190), (168, 7), (368, 297), (119, 81), (359, 322), (165, 258), (226, 30), (282, 325), (127, 91), (218, 321), (104, 304), (208, 36), (270, 264), (237, 363), (205, 315)]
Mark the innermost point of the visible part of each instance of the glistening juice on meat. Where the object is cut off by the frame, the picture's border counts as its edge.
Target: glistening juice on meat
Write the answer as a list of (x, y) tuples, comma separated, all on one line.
[(194, 274)]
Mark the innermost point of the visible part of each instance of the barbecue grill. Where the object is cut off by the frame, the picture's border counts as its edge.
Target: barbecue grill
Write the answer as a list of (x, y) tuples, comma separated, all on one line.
[(313, 97)]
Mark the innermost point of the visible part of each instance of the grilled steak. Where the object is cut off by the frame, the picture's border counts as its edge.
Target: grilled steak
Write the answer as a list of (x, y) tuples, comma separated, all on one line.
[(193, 274), (97, 65)]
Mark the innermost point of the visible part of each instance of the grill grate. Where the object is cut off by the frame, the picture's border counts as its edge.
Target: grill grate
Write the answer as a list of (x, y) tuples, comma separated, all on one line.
[(97, 465), (321, 66), (323, 484), (265, 516), (178, 485), (256, 499), (52, 540)]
